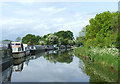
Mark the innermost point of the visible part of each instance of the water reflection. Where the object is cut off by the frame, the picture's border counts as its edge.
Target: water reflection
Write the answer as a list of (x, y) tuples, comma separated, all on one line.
[(51, 66), (6, 74), (58, 56), (56, 66), (98, 73)]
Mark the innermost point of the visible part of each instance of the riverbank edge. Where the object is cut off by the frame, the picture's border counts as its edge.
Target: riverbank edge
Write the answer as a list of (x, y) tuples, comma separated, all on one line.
[(103, 60), (112, 71)]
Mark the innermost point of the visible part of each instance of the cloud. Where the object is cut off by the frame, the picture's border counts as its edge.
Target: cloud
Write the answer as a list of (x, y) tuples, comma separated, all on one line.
[(14, 21), (41, 26), (41, 19), (24, 12), (52, 9), (59, 19), (46, 25)]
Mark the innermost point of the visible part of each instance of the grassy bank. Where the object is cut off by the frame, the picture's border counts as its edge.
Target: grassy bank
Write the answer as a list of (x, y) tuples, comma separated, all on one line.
[(101, 64), (107, 57)]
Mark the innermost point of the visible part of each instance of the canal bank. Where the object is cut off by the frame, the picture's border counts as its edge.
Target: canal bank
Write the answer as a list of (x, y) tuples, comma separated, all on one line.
[(105, 65)]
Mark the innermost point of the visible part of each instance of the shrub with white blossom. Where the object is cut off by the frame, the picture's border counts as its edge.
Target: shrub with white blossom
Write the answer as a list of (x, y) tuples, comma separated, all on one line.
[(103, 51)]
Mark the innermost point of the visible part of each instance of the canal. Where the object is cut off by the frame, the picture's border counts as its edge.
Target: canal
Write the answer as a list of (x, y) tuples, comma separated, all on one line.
[(54, 66), (51, 66)]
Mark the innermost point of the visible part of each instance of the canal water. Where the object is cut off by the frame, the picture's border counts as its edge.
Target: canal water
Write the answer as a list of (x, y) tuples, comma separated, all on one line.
[(57, 66), (51, 66)]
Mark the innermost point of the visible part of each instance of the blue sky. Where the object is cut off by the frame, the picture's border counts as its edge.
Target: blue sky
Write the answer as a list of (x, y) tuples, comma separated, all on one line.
[(19, 18)]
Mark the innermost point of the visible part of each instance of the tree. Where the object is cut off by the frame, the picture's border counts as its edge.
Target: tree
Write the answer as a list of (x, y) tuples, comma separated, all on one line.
[(42, 43), (7, 40), (18, 39), (102, 31), (70, 42), (65, 34), (31, 39), (64, 37), (52, 39)]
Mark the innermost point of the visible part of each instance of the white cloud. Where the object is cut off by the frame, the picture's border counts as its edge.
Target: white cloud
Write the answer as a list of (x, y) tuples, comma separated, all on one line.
[(14, 21), (58, 20), (52, 9), (25, 12), (42, 26)]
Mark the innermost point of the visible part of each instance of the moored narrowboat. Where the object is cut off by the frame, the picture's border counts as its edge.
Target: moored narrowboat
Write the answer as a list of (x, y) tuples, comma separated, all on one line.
[(26, 49), (36, 49), (17, 50)]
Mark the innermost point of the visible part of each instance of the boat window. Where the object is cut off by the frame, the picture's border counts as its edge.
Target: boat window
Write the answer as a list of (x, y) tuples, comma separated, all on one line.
[(25, 48), (17, 44), (19, 49), (32, 47), (14, 49)]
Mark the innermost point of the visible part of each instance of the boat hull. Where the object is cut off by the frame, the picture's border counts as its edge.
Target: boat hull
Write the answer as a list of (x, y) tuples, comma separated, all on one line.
[(19, 61), (33, 52), (18, 54)]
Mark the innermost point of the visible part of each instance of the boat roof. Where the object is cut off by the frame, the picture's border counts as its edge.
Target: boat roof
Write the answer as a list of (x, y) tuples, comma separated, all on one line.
[(16, 42)]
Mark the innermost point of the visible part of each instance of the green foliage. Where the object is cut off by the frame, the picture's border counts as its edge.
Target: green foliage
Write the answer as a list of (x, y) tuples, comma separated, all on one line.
[(65, 37), (18, 39), (59, 38), (52, 39), (102, 31), (65, 34), (61, 57), (31, 39), (101, 64), (102, 56), (7, 40)]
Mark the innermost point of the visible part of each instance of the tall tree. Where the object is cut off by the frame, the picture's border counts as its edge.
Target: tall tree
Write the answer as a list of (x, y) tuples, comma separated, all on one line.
[(31, 39), (52, 39), (103, 30), (18, 39)]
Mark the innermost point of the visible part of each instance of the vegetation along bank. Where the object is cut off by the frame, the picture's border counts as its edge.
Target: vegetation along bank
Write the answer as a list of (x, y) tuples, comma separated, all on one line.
[(101, 40)]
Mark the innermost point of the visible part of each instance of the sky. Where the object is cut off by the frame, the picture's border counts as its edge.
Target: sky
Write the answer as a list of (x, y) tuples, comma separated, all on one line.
[(40, 18)]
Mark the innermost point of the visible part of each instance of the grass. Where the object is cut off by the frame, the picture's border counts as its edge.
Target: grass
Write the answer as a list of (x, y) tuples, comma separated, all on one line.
[(99, 56), (100, 67)]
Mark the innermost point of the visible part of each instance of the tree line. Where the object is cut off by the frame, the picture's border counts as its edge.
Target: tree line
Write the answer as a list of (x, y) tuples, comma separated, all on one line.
[(59, 38), (102, 31)]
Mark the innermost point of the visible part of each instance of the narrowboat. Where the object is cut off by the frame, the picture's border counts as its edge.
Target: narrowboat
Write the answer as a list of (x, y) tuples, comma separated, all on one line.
[(36, 49), (49, 48), (17, 50), (26, 49), (19, 61)]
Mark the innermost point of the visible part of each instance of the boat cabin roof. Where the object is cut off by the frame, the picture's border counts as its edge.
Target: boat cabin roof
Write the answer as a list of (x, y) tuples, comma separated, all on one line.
[(16, 42)]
